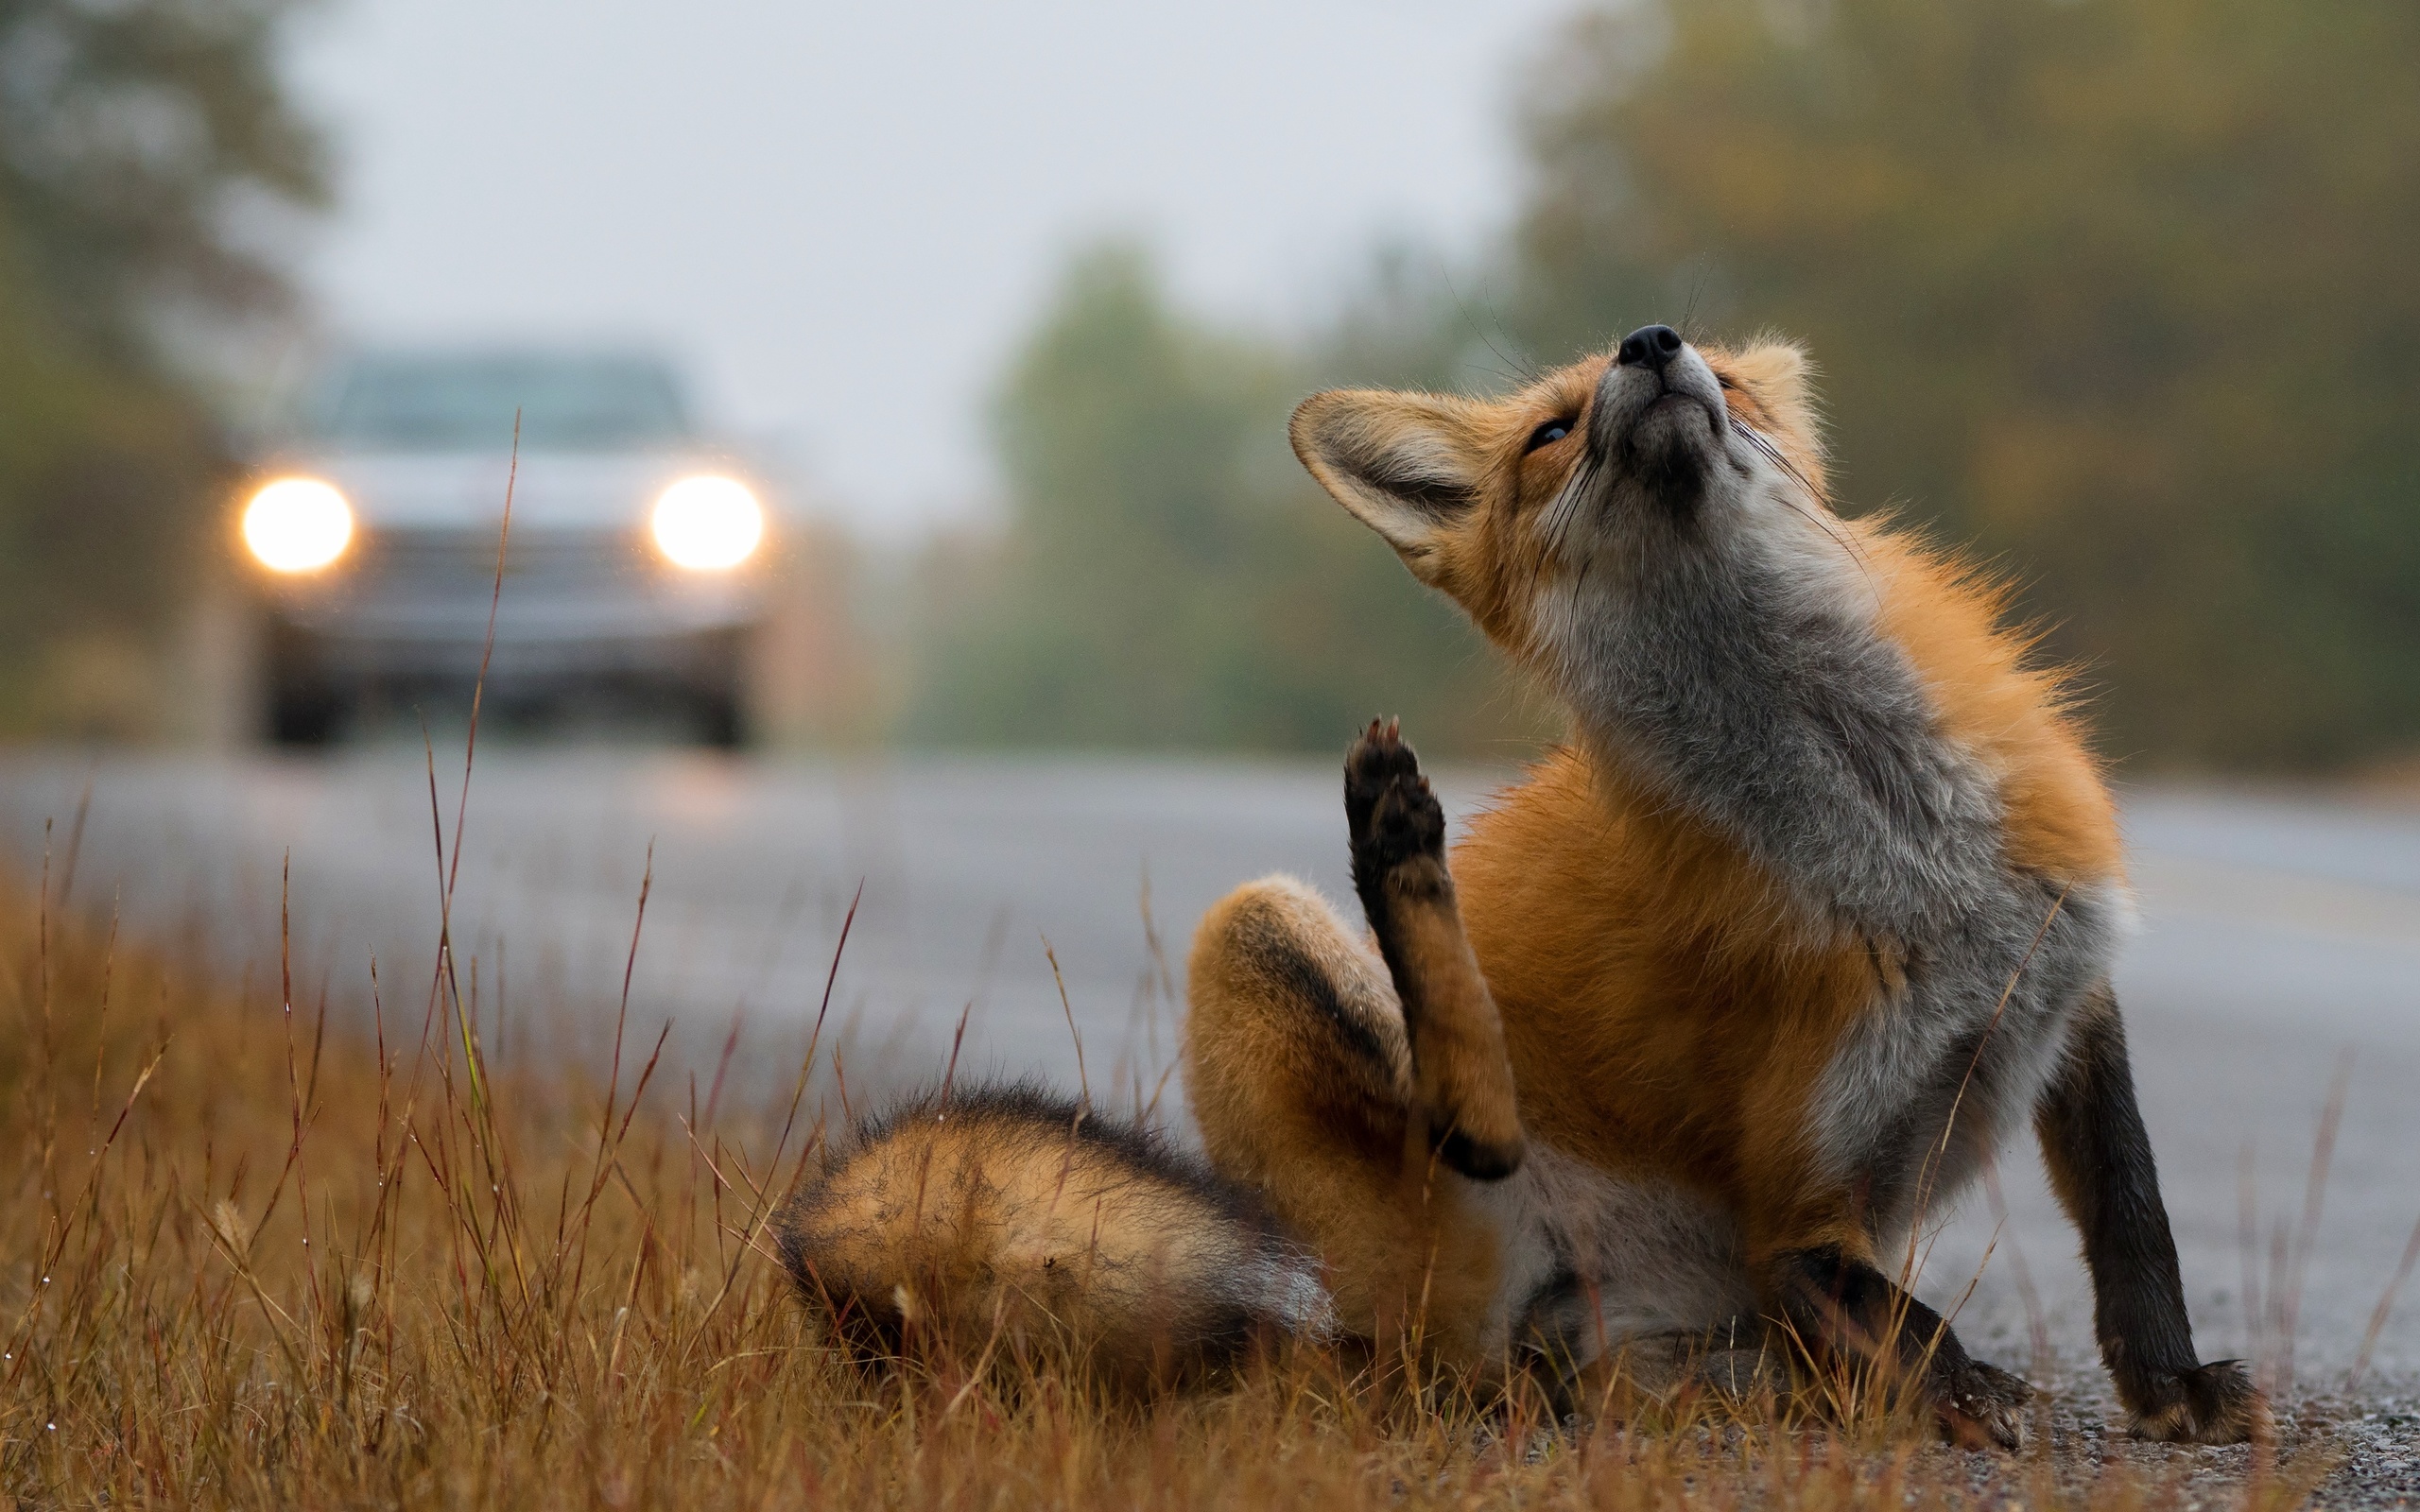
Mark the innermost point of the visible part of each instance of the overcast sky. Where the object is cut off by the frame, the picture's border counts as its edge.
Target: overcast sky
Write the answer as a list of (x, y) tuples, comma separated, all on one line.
[(841, 217)]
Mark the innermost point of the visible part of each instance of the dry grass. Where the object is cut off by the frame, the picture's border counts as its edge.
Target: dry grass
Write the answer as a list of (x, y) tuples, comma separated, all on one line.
[(248, 1257)]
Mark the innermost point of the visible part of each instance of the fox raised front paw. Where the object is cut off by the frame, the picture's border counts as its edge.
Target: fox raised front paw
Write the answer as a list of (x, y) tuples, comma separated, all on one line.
[(1462, 1081), (2214, 1403), (1391, 813)]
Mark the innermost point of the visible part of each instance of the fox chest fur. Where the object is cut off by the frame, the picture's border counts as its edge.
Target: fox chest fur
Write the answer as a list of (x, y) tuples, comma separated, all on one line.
[(1812, 898), (1671, 1014)]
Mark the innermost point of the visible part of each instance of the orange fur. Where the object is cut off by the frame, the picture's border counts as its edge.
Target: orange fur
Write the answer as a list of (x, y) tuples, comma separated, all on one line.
[(2015, 717)]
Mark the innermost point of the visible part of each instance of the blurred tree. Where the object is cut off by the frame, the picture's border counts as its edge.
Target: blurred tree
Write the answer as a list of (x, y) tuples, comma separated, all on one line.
[(147, 149), (1169, 577), (2120, 288)]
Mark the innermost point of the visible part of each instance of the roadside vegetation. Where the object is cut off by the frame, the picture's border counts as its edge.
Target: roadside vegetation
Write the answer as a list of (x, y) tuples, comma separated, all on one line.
[(2115, 292), (255, 1255), (151, 169)]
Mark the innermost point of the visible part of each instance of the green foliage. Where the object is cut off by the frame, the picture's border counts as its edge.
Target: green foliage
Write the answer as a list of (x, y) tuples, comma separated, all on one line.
[(2120, 288), (145, 146), (1170, 578), (93, 462)]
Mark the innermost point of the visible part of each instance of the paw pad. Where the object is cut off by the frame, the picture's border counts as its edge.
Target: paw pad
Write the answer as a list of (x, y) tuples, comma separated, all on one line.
[(1387, 804)]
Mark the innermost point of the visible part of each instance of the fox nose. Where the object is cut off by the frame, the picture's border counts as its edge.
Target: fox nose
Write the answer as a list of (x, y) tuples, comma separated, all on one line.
[(1649, 346)]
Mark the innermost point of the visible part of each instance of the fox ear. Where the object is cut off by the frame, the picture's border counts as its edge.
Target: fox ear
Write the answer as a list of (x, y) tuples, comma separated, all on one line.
[(1408, 465), (1782, 378)]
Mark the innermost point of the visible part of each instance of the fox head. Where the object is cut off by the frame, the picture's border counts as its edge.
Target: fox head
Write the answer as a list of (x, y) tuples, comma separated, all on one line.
[(1613, 495)]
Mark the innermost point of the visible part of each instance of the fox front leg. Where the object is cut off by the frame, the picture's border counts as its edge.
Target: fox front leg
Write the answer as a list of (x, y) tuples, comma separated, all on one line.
[(2100, 1160), (1462, 1077), (1846, 1313)]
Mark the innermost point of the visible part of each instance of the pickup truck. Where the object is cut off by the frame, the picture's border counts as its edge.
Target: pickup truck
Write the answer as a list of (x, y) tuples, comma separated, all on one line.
[(632, 572)]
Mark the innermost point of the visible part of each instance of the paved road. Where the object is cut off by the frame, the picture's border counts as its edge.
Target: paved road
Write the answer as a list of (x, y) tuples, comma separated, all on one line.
[(2282, 942)]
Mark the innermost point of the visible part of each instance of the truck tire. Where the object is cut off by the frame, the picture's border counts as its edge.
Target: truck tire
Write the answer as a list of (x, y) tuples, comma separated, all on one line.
[(302, 707), (721, 723), (304, 715), (718, 691)]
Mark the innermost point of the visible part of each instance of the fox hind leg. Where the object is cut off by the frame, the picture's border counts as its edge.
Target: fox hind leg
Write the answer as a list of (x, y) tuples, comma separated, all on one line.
[(1300, 1073)]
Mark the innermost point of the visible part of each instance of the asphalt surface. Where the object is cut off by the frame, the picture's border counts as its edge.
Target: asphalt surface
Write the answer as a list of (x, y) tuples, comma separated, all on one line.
[(2280, 953)]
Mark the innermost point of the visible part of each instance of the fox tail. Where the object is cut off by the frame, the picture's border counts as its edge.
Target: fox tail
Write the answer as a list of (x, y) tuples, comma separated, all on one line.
[(1006, 1215)]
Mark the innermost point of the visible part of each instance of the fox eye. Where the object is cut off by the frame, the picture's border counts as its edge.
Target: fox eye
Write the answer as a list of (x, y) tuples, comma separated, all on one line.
[(1547, 435)]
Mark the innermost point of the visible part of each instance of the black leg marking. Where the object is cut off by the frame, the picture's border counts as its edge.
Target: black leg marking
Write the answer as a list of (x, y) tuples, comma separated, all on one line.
[(1361, 1041), (2100, 1161), (1848, 1310), (1273, 949)]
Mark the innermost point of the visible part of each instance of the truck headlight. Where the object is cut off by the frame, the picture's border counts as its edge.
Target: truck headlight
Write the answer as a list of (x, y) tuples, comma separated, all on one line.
[(708, 523), (297, 526)]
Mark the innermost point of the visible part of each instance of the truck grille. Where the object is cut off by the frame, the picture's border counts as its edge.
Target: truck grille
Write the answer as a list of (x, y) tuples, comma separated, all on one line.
[(431, 588), (434, 567)]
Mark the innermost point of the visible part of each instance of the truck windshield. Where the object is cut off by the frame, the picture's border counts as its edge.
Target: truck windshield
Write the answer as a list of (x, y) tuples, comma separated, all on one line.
[(417, 403)]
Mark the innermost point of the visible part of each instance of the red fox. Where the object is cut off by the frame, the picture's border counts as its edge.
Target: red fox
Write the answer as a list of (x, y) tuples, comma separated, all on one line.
[(1700, 1019)]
